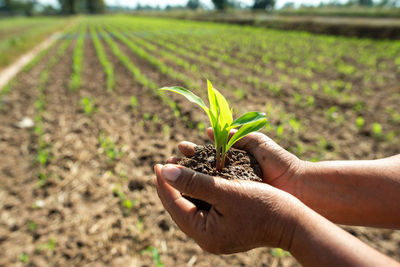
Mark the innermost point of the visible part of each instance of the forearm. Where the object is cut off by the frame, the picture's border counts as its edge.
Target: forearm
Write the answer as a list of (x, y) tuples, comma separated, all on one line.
[(318, 242), (353, 192)]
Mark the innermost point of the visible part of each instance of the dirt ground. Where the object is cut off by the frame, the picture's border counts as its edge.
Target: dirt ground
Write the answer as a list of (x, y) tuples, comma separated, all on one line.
[(76, 217)]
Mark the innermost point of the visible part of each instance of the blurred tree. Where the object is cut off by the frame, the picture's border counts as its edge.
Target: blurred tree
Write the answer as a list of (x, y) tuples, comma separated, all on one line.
[(263, 4), (29, 7), (49, 10), (68, 6), (95, 6), (220, 4), (365, 2), (193, 4), (18, 7)]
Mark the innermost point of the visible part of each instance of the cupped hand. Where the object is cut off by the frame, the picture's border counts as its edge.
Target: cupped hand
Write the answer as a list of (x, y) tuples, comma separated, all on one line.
[(279, 167), (244, 214)]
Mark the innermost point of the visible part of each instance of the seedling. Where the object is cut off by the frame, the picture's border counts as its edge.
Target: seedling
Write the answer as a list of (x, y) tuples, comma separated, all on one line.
[(32, 225), (360, 122), (24, 258), (125, 202), (155, 254), (220, 116), (134, 104), (47, 246), (109, 148), (88, 105), (377, 130)]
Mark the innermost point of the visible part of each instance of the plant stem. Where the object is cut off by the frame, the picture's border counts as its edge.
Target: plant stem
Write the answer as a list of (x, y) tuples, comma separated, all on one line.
[(220, 162)]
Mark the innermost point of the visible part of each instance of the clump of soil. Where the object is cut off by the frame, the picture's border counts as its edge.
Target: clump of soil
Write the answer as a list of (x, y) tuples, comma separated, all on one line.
[(239, 165)]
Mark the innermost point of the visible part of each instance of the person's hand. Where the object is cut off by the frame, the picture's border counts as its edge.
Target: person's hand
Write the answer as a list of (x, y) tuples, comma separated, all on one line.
[(279, 167), (244, 214)]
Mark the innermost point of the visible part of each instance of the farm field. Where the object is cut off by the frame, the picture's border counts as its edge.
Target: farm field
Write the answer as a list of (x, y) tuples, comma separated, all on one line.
[(18, 35), (77, 186)]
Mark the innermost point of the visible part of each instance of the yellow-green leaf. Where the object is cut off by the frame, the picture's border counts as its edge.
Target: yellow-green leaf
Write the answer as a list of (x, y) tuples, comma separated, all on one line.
[(245, 130)]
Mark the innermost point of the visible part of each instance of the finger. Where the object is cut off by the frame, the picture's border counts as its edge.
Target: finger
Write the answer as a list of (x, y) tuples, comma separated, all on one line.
[(182, 211), (187, 148), (173, 160), (193, 184)]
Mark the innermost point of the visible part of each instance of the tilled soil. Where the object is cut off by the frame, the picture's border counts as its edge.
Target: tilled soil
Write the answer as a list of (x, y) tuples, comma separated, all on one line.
[(80, 216)]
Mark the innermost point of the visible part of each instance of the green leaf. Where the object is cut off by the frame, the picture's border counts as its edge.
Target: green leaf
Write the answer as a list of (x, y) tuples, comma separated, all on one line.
[(225, 114), (248, 118), (213, 111), (245, 130), (211, 99), (189, 95)]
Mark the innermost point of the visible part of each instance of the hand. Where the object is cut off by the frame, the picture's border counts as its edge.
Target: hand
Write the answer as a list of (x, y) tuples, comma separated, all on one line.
[(280, 167), (244, 214)]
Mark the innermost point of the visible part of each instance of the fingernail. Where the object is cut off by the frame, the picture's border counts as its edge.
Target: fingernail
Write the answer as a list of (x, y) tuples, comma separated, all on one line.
[(170, 172), (157, 166)]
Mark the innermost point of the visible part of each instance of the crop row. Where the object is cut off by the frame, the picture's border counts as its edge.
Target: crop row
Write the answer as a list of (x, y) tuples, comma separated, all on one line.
[(76, 80), (43, 151)]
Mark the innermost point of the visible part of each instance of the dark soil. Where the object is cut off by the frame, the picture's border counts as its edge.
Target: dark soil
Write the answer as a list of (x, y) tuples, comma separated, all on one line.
[(239, 165)]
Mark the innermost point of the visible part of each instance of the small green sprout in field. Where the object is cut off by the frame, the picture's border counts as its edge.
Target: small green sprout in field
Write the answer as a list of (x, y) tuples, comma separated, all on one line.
[(295, 124), (394, 115), (359, 106), (275, 88), (109, 147), (310, 101), (279, 131), (220, 116), (42, 179), (88, 105), (50, 245), (139, 225), (146, 116), (377, 130), (314, 87), (40, 103), (391, 135), (360, 122), (268, 127), (155, 254), (43, 155), (240, 94), (325, 145), (201, 127), (24, 258), (155, 118), (134, 104), (332, 113), (297, 98), (32, 225), (166, 129), (125, 202)]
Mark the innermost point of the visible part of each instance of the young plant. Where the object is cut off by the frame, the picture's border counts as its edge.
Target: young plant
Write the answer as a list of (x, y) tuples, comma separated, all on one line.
[(88, 105), (134, 104), (220, 116)]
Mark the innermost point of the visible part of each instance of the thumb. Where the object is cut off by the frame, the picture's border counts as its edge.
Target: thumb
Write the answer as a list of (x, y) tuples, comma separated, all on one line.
[(192, 183)]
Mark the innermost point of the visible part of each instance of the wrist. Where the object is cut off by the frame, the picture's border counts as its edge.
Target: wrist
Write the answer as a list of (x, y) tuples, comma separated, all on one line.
[(292, 180), (292, 223)]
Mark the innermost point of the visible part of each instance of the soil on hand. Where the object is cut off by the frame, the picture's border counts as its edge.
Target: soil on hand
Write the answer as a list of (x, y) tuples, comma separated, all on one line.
[(239, 165)]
